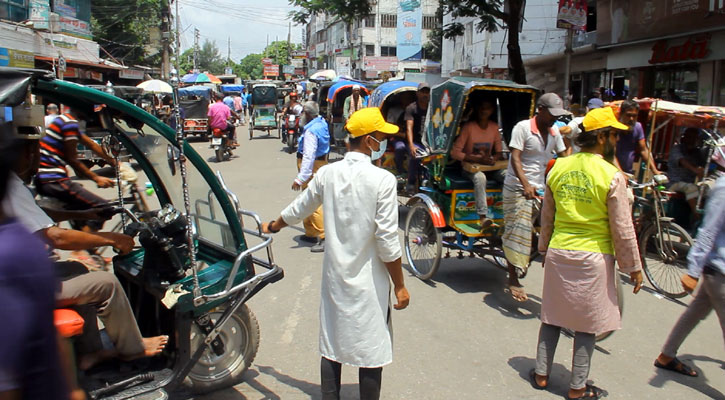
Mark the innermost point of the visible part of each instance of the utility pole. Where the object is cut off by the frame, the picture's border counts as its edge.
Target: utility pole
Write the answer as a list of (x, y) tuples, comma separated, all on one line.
[(229, 50), (289, 44), (165, 39), (567, 64), (196, 47), (178, 41)]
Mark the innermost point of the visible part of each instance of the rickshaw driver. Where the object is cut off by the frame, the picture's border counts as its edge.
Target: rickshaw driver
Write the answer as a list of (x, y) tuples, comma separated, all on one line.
[(632, 140), (415, 115), (362, 256), (480, 143), (219, 114), (353, 103), (531, 150)]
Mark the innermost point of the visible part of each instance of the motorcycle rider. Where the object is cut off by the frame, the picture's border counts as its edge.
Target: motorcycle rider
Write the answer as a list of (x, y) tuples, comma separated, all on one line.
[(312, 153), (78, 286), (293, 108), (219, 115)]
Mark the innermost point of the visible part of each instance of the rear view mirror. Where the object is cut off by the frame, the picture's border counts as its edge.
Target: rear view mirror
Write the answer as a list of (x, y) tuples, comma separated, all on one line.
[(172, 156)]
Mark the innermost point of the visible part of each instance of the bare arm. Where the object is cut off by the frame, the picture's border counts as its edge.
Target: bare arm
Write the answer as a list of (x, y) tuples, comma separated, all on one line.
[(71, 157), (529, 191), (699, 171), (68, 239), (93, 214), (97, 149), (395, 269), (645, 154)]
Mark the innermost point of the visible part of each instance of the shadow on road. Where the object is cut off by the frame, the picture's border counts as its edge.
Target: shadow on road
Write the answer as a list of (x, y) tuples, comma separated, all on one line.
[(699, 383), (347, 391)]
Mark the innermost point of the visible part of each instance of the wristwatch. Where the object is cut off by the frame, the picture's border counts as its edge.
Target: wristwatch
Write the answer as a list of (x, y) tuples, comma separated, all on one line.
[(269, 227)]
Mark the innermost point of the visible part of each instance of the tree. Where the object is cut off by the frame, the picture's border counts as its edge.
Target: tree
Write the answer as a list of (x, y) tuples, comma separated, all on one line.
[(347, 10), (124, 27), (434, 47), (209, 58), (279, 51), (492, 15), (250, 67)]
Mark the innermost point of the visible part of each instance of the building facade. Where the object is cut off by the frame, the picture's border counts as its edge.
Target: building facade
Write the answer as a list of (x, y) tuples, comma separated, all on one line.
[(368, 48)]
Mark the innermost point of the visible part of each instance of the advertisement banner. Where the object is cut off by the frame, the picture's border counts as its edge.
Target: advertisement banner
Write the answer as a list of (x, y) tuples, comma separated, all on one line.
[(271, 70), (380, 63), (299, 54), (135, 74), (621, 21), (267, 61), (410, 30), (16, 58), (572, 14), (40, 13), (288, 69), (342, 66), (74, 17)]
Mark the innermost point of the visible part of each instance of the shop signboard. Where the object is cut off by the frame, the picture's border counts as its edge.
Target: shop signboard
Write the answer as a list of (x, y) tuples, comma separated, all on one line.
[(410, 30), (572, 14), (16, 58), (74, 17), (267, 61), (299, 54), (622, 21), (71, 72), (380, 63), (271, 70), (131, 74), (342, 66), (288, 69), (299, 71)]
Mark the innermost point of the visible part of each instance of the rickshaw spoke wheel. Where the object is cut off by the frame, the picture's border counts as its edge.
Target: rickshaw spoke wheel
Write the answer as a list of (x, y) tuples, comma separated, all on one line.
[(664, 263), (422, 242)]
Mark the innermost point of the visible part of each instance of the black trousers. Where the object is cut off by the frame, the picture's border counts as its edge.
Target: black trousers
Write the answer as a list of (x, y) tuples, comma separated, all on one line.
[(370, 381), (75, 197)]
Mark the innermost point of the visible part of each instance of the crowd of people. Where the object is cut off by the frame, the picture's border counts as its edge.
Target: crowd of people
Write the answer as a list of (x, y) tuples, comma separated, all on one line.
[(576, 174)]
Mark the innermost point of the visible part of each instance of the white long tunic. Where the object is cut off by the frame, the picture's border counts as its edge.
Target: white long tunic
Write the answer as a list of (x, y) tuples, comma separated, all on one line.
[(359, 202)]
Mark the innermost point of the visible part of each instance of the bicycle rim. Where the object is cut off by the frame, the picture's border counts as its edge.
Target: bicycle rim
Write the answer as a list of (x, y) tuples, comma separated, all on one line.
[(664, 257)]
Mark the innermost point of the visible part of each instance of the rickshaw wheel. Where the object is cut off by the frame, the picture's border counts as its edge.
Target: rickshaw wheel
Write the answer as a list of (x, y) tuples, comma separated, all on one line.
[(664, 267), (240, 336), (422, 242)]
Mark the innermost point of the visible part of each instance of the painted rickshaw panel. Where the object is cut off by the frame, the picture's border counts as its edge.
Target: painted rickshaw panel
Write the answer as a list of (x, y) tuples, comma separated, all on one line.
[(387, 89)]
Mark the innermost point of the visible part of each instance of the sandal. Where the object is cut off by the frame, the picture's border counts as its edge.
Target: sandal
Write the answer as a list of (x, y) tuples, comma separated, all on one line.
[(677, 366), (591, 392), (532, 378)]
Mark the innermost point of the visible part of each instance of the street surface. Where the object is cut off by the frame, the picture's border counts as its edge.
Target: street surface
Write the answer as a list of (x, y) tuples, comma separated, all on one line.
[(462, 337)]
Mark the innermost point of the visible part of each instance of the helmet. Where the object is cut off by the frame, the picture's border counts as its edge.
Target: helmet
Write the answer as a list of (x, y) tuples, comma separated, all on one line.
[(293, 94)]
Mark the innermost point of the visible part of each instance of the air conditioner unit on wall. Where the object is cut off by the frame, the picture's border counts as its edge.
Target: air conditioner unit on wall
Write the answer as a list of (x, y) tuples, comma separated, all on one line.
[(54, 22)]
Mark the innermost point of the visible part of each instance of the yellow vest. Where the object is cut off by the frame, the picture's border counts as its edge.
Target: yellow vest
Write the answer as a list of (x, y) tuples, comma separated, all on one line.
[(580, 185)]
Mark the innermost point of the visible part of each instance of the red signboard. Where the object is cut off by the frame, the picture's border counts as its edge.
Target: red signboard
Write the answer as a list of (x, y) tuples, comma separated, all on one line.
[(694, 48), (572, 14), (380, 63), (271, 70), (267, 61)]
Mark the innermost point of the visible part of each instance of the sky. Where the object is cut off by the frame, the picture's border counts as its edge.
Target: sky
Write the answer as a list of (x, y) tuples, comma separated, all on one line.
[(247, 22)]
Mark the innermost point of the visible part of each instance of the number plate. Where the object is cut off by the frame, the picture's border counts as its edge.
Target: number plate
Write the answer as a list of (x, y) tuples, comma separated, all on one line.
[(216, 141)]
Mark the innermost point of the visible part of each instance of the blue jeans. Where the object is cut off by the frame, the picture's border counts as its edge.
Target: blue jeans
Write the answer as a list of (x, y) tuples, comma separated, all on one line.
[(401, 150)]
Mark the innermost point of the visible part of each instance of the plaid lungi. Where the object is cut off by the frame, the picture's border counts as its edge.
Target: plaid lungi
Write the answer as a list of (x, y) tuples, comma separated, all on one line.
[(519, 226)]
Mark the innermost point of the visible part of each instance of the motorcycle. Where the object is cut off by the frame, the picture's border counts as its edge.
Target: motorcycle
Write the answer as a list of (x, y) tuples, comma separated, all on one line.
[(291, 132), (199, 256), (221, 145)]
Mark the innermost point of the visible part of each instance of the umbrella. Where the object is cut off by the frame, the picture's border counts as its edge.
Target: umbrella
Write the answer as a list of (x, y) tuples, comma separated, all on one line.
[(203, 77), (326, 74), (155, 86)]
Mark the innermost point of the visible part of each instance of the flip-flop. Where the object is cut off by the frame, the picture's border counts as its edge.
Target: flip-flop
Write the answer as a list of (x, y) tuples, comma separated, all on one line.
[(532, 379), (520, 290), (678, 366), (591, 392)]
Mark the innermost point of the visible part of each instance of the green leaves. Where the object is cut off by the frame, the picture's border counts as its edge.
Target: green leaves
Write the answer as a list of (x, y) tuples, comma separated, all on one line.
[(347, 10), (124, 28)]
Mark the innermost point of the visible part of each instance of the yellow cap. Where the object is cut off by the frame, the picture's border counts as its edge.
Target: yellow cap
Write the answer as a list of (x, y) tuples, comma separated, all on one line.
[(368, 120), (599, 118)]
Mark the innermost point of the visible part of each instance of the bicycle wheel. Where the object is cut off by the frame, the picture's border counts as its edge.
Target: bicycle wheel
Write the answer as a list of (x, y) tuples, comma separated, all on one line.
[(422, 242), (665, 263)]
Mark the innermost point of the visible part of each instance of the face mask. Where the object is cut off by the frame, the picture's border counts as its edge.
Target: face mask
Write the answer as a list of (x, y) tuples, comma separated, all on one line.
[(376, 155)]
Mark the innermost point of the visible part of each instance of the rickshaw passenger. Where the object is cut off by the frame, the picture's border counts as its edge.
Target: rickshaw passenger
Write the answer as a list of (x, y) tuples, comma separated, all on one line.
[(353, 103), (415, 115), (480, 143), (685, 165), (633, 140), (531, 150)]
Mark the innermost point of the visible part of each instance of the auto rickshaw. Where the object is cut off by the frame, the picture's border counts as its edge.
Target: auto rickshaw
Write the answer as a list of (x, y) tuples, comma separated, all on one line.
[(336, 95), (263, 115), (196, 263), (444, 214), (195, 101)]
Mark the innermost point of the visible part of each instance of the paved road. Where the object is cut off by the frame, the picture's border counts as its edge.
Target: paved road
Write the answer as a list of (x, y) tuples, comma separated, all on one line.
[(461, 338)]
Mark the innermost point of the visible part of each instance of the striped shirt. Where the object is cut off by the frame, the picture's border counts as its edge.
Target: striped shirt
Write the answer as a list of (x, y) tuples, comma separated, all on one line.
[(53, 166)]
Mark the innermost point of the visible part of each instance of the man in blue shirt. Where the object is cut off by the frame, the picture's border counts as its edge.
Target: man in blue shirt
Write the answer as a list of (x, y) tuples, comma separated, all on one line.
[(312, 151), (707, 260)]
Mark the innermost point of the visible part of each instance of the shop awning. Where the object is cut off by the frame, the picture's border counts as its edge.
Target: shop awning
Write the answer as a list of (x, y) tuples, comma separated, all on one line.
[(79, 62)]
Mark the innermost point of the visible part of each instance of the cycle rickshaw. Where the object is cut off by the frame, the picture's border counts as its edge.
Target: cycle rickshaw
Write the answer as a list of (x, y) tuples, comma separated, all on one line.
[(195, 264), (263, 116), (335, 99), (444, 214)]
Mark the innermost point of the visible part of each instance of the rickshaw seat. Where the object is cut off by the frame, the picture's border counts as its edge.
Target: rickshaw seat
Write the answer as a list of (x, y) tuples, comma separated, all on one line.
[(453, 179), (68, 322)]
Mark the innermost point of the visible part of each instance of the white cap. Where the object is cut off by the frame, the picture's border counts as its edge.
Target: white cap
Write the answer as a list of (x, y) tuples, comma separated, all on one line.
[(355, 87)]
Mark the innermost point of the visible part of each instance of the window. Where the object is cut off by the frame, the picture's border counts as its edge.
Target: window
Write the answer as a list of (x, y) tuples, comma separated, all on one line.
[(370, 50), (13, 10), (388, 20), (430, 22), (388, 51), (369, 21), (321, 36)]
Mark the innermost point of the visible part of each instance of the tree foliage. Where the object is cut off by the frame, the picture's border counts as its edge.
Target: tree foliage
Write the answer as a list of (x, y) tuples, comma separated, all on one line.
[(347, 10), (250, 67), (122, 27), (208, 59), (492, 15), (434, 46)]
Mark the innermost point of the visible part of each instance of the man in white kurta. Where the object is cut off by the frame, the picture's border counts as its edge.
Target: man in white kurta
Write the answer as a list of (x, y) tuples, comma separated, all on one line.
[(362, 254)]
